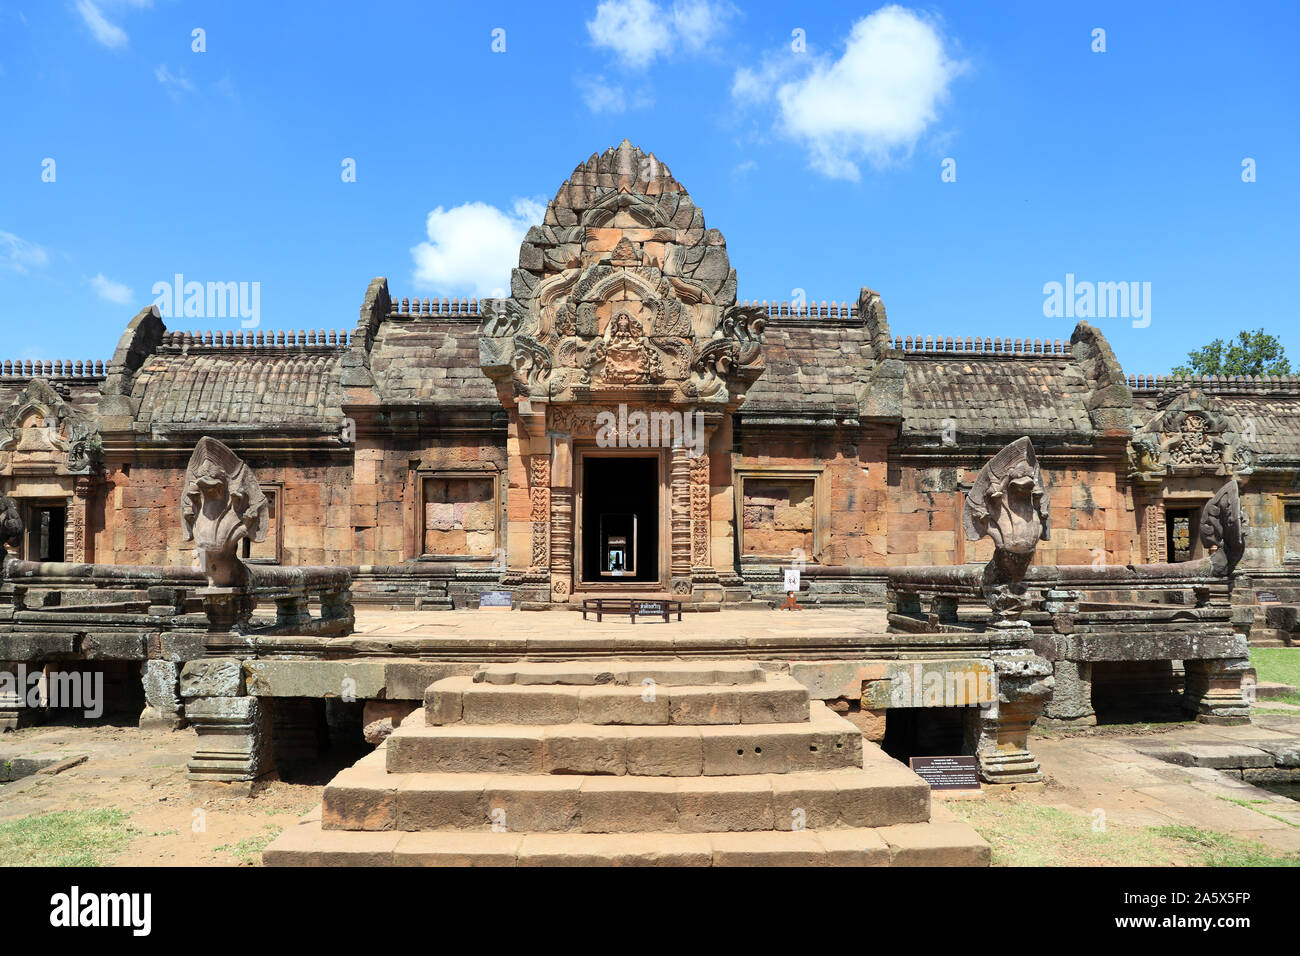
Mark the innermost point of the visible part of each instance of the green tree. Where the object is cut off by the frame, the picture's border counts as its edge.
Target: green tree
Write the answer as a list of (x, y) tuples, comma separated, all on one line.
[(1251, 353)]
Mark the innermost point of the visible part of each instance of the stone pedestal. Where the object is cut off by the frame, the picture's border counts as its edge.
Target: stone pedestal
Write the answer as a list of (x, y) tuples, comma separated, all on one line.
[(228, 611), (233, 749), (1216, 690), (1024, 682)]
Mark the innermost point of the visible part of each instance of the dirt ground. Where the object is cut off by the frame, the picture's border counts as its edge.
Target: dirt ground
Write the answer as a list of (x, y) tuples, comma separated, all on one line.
[(143, 773)]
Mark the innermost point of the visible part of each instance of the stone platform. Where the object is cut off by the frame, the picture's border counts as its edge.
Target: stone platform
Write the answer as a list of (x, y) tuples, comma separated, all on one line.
[(626, 762)]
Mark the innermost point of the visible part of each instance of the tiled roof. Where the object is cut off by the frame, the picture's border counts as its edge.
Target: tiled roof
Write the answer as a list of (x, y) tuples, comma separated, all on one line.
[(231, 386), (811, 367), (995, 395)]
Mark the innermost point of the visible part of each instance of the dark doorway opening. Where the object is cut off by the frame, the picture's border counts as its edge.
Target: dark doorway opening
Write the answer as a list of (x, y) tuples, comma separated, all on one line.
[(925, 732), (1127, 692), (620, 520), (1182, 533), (45, 528)]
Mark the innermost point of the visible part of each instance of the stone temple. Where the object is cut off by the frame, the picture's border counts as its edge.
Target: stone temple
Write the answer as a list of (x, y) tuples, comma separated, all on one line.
[(547, 442), (1038, 524)]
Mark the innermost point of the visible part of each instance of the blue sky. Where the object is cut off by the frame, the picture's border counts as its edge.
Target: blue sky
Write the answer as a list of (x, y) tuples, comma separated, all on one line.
[(822, 166)]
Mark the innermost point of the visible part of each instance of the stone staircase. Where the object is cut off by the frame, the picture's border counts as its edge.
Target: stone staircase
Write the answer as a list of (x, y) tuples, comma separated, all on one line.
[(680, 763)]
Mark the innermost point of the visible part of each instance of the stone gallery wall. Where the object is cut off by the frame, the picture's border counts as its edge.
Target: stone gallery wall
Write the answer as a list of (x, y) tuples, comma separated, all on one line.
[(845, 515), (137, 516), (1092, 517)]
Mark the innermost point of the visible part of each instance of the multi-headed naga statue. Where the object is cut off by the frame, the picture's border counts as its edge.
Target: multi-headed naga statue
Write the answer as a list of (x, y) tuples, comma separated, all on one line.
[(1008, 503), (221, 506), (1223, 529)]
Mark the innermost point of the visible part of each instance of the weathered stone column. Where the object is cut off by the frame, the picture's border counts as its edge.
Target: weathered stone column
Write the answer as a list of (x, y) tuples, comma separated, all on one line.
[(163, 709), (1071, 700)]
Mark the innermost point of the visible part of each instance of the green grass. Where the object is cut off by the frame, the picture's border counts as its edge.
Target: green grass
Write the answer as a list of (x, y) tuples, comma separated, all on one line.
[(249, 850), (65, 838), (1024, 834), (1218, 849), (1280, 665), (1255, 805)]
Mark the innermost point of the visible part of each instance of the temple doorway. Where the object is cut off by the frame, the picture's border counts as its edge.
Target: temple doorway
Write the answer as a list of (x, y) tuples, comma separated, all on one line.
[(46, 524), (619, 521)]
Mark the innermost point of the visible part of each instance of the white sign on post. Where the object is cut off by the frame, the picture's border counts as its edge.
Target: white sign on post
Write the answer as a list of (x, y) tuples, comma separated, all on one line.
[(791, 579)]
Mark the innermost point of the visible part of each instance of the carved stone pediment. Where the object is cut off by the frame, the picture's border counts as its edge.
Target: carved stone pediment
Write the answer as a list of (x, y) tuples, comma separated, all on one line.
[(41, 433), (622, 287), (1190, 434)]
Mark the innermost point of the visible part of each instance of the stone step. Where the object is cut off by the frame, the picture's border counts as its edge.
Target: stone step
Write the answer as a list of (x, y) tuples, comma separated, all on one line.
[(367, 798), (825, 742), (671, 673), (910, 844), (776, 700)]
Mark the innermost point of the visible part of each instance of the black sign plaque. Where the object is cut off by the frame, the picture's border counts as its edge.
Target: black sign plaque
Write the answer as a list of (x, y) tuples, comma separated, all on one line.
[(947, 773)]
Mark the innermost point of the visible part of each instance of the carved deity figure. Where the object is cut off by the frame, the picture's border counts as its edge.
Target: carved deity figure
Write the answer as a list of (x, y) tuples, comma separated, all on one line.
[(11, 526), (1223, 529), (220, 507), (1008, 503), (629, 359)]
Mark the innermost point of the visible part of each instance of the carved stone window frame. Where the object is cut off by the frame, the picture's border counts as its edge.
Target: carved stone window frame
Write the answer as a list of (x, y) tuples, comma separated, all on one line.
[(495, 474), (1285, 501), (821, 507), (274, 490)]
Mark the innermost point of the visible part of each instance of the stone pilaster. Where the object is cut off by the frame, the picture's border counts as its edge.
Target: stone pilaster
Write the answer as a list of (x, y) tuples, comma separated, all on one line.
[(560, 475), (680, 522), (77, 546), (233, 749), (1219, 691)]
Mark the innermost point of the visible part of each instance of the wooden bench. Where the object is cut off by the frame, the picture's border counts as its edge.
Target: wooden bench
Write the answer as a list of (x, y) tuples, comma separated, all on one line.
[(632, 606)]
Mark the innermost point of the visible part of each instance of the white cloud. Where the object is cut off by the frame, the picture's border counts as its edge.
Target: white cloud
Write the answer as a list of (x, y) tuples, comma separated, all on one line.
[(638, 31), (602, 96), (110, 291), (472, 247), (874, 103), (176, 84), (19, 255), (109, 34)]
